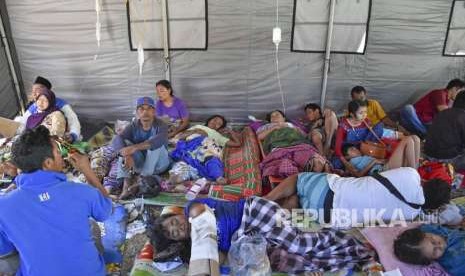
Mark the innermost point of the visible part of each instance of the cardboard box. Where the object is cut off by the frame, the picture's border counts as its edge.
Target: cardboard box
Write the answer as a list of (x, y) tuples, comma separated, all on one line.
[(8, 127)]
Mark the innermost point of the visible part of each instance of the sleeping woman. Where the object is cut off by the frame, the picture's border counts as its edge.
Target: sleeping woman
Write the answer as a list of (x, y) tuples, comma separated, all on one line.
[(287, 149), (201, 147)]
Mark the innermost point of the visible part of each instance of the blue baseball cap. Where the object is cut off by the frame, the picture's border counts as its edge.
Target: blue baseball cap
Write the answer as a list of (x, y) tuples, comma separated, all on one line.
[(145, 100)]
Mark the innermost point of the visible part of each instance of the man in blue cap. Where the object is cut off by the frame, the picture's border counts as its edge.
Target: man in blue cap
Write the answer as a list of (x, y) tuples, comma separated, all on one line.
[(142, 147)]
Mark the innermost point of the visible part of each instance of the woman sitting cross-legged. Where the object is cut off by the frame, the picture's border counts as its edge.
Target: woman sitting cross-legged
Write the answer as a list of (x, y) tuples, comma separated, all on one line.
[(48, 115), (328, 250)]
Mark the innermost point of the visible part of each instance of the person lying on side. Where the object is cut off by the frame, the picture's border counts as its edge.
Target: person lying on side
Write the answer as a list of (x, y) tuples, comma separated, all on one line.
[(361, 165), (214, 128), (433, 243), (330, 193)]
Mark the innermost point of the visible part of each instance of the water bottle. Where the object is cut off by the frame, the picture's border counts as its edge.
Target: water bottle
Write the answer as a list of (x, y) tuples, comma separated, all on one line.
[(196, 188), (143, 264)]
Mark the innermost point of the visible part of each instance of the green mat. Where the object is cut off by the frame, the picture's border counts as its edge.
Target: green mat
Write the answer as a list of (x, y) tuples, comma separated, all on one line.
[(163, 199), (460, 201)]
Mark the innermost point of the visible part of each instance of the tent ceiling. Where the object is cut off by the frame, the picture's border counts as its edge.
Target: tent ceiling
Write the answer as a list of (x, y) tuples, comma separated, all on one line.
[(236, 75)]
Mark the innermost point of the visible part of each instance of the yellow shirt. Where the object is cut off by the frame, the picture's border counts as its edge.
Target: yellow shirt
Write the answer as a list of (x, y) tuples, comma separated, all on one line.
[(375, 113)]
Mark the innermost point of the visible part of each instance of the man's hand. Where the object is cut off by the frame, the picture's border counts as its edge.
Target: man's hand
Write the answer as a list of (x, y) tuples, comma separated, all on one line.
[(69, 138), (128, 151), (128, 162), (8, 168), (80, 162)]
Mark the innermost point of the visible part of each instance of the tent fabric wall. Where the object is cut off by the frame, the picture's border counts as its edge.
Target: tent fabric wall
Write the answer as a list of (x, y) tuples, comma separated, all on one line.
[(187, 24), (236, 76), (9, 104), (311, 28), (456, 36)]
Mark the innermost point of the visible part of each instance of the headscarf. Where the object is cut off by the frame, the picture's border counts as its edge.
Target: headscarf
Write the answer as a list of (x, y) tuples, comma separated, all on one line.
[(36, 119)]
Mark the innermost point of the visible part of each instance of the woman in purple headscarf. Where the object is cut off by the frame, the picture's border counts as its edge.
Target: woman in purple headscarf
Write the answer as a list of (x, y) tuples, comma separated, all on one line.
[(48, 114)]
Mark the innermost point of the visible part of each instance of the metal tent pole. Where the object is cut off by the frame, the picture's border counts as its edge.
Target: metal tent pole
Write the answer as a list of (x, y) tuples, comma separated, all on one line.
[(327, 53), (11, 66), (166, 50)]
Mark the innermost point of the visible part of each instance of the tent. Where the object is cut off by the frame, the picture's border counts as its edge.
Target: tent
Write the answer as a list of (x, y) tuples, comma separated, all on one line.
[(221, 57)]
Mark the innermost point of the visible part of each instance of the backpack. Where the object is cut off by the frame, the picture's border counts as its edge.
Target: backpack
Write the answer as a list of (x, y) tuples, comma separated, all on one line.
[(432, 169)]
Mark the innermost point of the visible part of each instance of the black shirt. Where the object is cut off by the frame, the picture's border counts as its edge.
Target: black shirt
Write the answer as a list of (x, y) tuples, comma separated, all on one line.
[(445, 138)]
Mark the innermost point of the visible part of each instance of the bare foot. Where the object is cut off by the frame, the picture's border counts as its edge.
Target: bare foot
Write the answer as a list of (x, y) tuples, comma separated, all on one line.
[(175, 179), (130, 191), (221, 181)]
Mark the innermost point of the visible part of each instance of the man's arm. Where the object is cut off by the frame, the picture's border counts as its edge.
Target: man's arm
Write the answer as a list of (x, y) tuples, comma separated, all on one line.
[(439, 100), (118, 141), (73, 122), (441, 107), (158, 140), (6, 246), (82, 164)]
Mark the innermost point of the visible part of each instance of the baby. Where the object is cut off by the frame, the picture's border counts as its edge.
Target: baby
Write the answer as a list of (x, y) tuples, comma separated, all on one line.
[(428, 243), (361, 165)]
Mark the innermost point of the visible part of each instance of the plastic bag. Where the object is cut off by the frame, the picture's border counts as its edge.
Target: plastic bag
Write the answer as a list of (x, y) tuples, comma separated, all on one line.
[(247, 256)]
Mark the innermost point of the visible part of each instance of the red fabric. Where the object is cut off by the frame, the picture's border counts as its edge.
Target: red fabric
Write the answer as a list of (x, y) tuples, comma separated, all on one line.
[(341, 134), (432, 169), (426, 107), (271, 184), (391, 145)]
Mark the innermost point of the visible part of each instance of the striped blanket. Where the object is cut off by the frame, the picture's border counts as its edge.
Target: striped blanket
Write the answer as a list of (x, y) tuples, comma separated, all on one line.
[(241, 168)]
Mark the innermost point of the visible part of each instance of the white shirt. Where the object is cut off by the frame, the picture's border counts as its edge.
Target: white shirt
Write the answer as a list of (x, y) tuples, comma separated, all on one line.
[(368, 200)]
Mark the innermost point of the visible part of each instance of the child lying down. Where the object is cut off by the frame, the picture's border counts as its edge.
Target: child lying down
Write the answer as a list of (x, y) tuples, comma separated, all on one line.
[(428, 243), (327, 250)]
